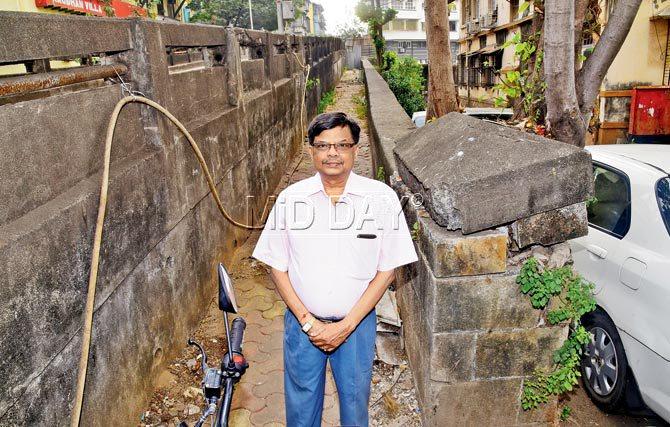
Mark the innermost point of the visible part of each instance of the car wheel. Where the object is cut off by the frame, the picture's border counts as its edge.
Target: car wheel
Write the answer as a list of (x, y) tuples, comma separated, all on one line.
[(604, 365)]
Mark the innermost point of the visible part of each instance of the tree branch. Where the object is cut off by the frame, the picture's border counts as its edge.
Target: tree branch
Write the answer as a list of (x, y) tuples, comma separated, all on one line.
[(580, 13), (563, 114), (593, 72)]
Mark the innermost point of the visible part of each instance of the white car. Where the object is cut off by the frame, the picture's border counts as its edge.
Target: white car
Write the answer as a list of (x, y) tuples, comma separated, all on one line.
[(488, 113), (627, 256)]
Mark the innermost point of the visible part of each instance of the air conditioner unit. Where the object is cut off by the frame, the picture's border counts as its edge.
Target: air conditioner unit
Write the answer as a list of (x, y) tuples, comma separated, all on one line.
[(490, 20)]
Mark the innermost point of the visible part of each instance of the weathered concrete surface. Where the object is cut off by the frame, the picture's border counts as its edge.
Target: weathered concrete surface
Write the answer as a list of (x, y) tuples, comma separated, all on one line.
[(481, 175), (471, 340), (471, 336), (451, 253), (387, 120), (162, 234), (548, 228)]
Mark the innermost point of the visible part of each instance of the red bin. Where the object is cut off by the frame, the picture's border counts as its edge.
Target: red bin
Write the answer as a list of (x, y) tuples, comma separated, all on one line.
[(649, 111)]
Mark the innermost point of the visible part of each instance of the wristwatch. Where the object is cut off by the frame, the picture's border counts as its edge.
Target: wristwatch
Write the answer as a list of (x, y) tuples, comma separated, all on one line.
[(308, 324)]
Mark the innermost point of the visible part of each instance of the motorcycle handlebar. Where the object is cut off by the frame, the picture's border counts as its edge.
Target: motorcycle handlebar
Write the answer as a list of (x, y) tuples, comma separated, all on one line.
[(237, 334)]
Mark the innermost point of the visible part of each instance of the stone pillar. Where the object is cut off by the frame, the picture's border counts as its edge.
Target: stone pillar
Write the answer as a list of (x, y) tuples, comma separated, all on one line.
[(234, 67), (492, 196)]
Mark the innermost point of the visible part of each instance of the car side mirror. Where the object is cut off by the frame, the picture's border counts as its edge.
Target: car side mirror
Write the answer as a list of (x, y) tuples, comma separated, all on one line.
[(226, 292)]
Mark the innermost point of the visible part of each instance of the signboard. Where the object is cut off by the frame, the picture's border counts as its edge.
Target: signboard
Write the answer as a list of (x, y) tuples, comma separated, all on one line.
[(121, 8)]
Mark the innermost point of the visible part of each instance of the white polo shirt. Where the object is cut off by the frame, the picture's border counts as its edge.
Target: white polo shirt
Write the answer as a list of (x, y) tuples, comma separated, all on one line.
[(332, 251)]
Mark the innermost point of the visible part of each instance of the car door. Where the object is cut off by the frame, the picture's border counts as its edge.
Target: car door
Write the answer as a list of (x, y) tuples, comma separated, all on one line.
[(599, 255)]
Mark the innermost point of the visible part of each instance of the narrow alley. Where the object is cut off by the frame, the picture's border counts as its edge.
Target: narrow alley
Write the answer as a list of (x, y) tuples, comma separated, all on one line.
[(259, 398)]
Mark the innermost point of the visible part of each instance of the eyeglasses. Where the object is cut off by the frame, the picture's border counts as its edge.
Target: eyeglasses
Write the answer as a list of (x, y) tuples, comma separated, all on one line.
[(340, 146)]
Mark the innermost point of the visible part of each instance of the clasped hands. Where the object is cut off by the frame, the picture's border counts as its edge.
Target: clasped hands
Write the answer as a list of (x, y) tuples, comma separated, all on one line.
[(329, 336)]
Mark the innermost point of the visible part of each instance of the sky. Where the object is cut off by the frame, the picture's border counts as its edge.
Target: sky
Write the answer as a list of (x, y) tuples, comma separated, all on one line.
[(337, 12)]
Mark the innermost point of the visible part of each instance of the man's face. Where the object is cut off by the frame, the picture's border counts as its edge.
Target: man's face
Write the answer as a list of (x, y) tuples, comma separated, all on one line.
[(333, 161)]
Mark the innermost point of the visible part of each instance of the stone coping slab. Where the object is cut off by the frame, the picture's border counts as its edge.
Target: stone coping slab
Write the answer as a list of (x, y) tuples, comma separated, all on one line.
[(476, 175)]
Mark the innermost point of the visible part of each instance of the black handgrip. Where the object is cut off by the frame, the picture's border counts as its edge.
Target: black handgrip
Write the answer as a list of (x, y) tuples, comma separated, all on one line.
[(237, 334)]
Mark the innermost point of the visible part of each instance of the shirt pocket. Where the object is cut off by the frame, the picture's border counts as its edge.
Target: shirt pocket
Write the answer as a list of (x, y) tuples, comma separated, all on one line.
[(362, 253)]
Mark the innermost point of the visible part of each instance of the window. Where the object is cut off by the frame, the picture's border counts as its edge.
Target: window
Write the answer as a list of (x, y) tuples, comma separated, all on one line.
[(526, 30), (482, 42), (609, 210), (409, 4), (423, 27), (461, 70), (411, 25), (513, 10), (501, 37), (387, 26), (454, 50), (452, 26), (663, 197)]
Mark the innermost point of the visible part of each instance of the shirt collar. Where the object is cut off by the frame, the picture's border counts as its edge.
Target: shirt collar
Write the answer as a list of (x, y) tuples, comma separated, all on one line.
[(354, 184)]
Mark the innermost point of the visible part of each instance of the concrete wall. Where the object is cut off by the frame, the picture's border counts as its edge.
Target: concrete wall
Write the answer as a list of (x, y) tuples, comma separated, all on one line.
[(387, 120), (489, 201), (237, 91)]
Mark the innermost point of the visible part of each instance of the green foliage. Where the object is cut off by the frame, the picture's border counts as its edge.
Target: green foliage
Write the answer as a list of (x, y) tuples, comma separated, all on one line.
[(523, 84), (298, 8), (567, 297), (523, 6), (361, 105), (389, 59), (415, 231), (380, 174), (565, 413), (405, 79), (235, 12), (328, 98), (375, 17), (350, 29), (311, 83)]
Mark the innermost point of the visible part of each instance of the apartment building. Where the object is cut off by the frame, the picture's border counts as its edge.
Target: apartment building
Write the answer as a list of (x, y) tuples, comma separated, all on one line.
[(406, 34), (484, 27), (309, 21)]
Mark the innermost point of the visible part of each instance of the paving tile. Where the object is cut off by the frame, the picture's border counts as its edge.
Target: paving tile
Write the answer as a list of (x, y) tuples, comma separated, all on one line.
[(272, 383), (254, 334), (267, 415), (277, 324), (271, 364), (253, 354), (255, 317), (261, 291), (239, 418), (243, 398), (276, 401), (257, 303), (331, 415), (243, 285), (273, 344), (331, 388), (277, 310)]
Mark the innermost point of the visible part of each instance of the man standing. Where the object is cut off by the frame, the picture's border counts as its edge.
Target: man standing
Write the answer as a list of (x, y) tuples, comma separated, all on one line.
[(333, 241)]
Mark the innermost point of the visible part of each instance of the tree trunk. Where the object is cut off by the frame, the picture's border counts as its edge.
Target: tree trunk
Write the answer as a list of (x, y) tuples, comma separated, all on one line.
[(570, 94), (564, 118), (591, 76), (379, 49), (442, 97)]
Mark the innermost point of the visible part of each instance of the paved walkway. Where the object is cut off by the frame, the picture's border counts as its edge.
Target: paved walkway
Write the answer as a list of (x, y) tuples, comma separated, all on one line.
[(259, 397)]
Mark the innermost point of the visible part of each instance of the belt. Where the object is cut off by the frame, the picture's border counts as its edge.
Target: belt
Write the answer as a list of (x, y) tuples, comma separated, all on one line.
[(328, 319)]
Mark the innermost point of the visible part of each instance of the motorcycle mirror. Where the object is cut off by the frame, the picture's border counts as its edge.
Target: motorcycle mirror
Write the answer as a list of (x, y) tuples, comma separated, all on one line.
[(226, 292)]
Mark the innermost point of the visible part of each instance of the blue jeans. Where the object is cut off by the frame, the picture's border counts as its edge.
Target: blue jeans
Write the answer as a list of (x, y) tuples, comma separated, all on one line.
[(305, 374)]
